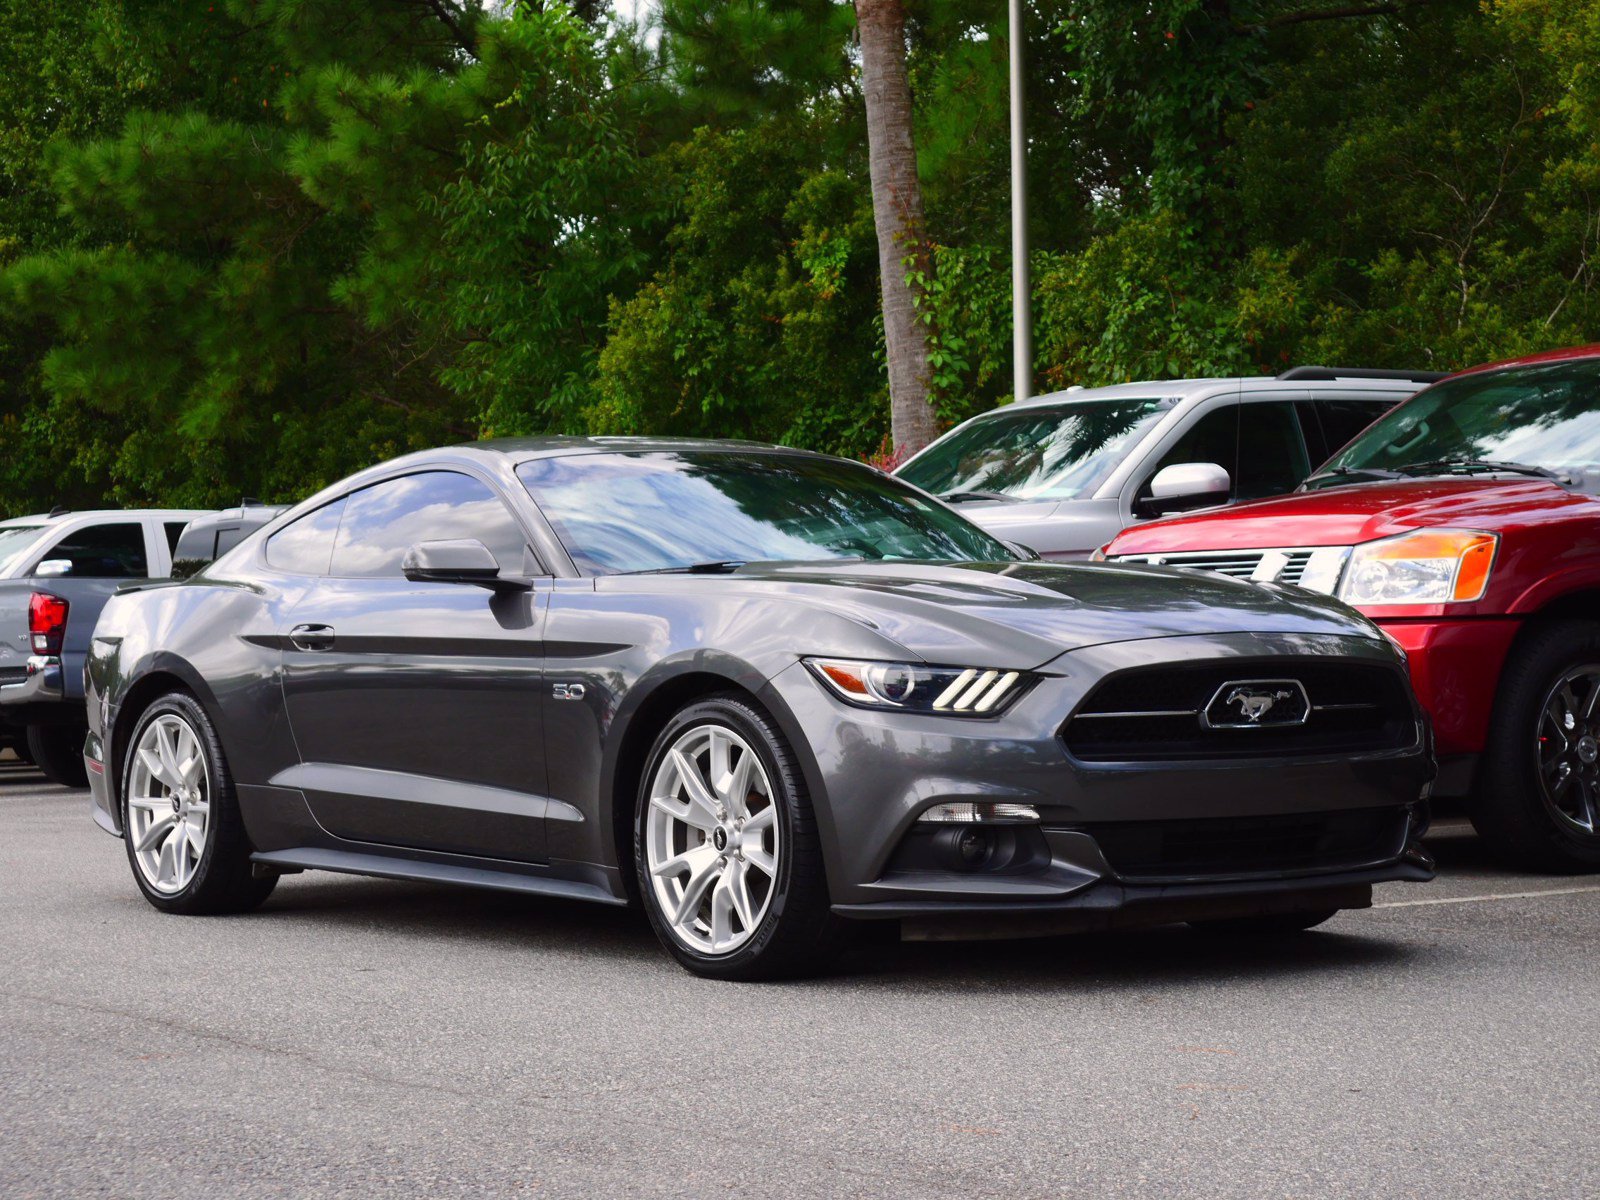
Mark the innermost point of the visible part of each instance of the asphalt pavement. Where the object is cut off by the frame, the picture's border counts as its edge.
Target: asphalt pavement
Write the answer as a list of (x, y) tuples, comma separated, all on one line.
[(365, 1038)]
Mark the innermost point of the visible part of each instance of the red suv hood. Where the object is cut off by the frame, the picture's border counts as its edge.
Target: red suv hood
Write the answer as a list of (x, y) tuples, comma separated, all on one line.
[(1345, 516)]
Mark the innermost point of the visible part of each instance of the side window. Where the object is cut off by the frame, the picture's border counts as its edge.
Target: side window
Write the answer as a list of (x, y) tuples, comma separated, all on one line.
[(1272, 455), (1340, 421), (305, 547), (383, 521), (174, 532), (1214, 438), (104, 552)]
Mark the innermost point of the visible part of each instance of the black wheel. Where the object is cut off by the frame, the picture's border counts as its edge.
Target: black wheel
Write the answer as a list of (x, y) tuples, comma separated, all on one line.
[(1266, 925), (57, 750), (1537, 795), (181, 826), (725, 842)]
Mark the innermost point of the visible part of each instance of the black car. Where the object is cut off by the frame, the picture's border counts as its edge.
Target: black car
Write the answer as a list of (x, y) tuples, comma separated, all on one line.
[(766, 693)]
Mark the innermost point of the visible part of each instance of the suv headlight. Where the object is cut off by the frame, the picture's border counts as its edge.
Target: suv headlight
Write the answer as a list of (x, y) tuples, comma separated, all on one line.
[(1428, 566), (908, 687)]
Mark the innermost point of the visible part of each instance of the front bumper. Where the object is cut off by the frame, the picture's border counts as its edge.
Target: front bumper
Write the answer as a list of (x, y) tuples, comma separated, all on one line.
[(873, 774), (102, 802), (1455, 670)]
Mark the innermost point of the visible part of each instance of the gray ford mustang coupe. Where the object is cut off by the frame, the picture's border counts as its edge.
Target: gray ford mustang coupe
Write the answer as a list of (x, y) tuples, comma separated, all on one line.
[(768, 694)]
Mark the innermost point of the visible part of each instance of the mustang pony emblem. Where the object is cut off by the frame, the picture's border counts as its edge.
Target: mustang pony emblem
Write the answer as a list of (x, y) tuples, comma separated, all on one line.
[(1254, 704)]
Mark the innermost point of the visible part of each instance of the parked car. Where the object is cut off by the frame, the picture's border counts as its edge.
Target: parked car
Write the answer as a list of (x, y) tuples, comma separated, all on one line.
[(1064, 473), (56, 571), (763, 692), (1466, 524)]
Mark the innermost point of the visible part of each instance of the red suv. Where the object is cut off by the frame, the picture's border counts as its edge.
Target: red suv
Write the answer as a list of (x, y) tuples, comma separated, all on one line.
[(1466, 523)]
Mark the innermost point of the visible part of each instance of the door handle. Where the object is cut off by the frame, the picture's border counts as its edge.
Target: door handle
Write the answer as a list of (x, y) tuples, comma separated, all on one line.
[(312, 637)]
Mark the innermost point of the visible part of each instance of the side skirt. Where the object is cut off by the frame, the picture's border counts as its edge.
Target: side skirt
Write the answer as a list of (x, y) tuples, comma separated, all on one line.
[(310, 858)]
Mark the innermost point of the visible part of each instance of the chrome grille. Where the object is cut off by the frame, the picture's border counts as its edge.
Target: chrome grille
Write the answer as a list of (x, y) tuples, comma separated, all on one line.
[(1287, 565)]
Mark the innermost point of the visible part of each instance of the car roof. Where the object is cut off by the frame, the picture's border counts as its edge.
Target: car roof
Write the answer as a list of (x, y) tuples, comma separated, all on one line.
[(1182, 389), (41, 520), (1566, 354), (522, 448)]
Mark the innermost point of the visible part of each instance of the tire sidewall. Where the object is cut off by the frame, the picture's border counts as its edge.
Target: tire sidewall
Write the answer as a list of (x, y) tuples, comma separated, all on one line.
[(1511, 781), (736, 717), (179, 705)]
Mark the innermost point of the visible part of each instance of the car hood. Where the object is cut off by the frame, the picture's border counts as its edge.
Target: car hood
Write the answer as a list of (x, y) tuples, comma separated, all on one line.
[(1025, 614), (1347, 516)]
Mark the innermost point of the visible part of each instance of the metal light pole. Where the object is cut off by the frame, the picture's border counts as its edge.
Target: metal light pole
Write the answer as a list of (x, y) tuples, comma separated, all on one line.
[(1021, 306)]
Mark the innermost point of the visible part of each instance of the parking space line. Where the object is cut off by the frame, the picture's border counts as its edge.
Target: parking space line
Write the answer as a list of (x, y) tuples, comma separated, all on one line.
[(1572, 891)]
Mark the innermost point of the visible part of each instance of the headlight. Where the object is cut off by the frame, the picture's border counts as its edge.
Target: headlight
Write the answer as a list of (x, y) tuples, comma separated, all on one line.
[(1430, 566), (915, 688)]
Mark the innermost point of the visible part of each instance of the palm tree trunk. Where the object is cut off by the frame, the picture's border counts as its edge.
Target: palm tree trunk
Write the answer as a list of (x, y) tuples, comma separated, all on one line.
[(897, 213)]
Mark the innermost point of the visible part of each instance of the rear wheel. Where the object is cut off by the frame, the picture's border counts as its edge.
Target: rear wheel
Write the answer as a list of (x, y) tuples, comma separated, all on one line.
[(726, 847), (57, 750), (1266, 925), (181, 825), (1537, 795)]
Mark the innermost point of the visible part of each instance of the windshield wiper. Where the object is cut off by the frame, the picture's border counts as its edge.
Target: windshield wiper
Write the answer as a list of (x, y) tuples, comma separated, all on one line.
[(723, 566), (958, 497), (1467, 466), (1356, 473)]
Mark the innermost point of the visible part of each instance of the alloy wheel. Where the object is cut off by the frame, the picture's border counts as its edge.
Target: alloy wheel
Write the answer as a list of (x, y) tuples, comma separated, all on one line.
[(1568, 750), (712, 842), (169, 804)]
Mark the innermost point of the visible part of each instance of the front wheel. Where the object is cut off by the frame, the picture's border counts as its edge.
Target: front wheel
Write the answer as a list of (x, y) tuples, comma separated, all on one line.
[(181, 825), (726, 847), (1537, 796)]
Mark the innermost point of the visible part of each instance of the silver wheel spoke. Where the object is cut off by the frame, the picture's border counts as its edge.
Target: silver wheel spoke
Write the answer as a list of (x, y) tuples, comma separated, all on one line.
[(168, 803), (695, 891), (157, 767), (711, 862), (738, 884), (689, 814), (157, 831), (694, 785)]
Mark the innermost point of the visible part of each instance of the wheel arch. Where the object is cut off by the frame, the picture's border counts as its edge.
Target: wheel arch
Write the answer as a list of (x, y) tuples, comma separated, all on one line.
[(162, 677), (649, 709)]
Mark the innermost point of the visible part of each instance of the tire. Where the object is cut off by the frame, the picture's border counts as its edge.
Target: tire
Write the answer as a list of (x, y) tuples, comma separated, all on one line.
[(773, 859), (216, 879), (1266, 925), (57, 750), (1512, 806)]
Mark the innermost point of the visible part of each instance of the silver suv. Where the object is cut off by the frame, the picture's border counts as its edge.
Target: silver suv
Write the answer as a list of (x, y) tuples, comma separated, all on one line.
[(1064, 473)]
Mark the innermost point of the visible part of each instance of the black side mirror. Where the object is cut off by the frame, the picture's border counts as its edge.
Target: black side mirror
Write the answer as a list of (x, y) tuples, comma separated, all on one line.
[(462, 560), (1025, 553)]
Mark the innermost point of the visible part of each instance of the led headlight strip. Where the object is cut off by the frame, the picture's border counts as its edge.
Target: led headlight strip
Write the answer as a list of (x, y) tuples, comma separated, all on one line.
[(955, 691)]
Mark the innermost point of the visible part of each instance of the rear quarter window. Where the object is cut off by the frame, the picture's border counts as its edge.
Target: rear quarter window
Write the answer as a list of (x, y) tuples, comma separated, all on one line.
[(305, 546)]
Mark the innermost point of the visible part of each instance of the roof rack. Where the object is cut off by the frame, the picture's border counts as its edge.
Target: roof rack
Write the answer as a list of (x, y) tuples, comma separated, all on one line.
[(1331, 373)]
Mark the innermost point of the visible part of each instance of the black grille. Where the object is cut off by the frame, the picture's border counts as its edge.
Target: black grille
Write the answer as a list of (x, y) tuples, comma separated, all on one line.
[(1155, 713), (1250, 845)]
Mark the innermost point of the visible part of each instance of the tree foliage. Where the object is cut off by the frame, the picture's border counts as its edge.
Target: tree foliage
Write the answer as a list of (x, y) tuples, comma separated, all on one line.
[(247, 247)]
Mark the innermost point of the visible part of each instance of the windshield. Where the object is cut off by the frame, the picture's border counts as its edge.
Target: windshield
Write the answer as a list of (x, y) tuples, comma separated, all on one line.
[(1036, 451), (14, 539), (662, 511), (1533, 419)]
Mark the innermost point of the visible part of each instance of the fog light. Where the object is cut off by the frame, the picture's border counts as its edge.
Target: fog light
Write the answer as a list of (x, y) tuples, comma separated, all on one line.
[(998, 814), (964, 849)]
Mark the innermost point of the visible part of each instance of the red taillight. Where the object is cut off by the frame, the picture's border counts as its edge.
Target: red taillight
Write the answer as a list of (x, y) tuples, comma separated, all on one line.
[(47, 622)]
